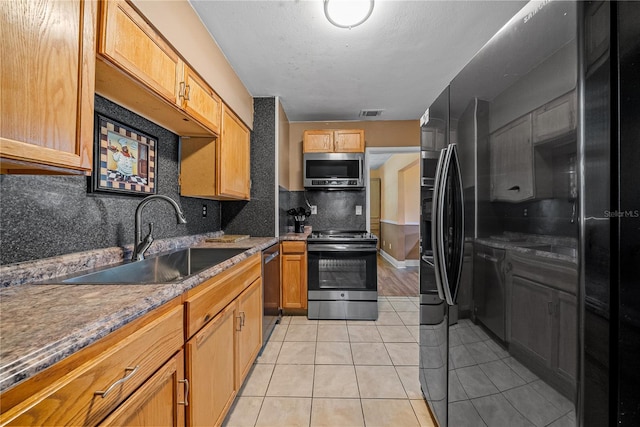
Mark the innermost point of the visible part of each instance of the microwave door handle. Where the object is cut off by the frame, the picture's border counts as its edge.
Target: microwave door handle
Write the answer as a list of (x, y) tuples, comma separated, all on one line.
[(446, 167), (435, 226)]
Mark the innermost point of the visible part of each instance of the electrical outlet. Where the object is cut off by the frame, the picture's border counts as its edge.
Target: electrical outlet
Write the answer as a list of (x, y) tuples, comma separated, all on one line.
[(358, 210), (314, 210), (204, 211)]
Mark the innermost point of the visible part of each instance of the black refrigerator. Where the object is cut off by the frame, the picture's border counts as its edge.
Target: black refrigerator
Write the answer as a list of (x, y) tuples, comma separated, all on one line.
[(442, 245), (610, 226)]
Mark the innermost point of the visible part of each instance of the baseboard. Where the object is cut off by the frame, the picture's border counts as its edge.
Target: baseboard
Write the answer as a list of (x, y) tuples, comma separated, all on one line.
[(399, 264)]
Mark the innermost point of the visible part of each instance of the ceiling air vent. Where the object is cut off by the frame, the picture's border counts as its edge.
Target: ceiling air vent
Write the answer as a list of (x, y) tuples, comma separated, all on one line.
[(371, 113)]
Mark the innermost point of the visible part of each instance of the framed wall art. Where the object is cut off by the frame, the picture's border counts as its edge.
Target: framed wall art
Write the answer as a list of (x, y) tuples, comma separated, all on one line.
[(124, 159)]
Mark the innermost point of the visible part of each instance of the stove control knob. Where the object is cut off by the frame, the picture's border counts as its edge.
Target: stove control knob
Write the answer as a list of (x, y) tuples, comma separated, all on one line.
[(342, 295)]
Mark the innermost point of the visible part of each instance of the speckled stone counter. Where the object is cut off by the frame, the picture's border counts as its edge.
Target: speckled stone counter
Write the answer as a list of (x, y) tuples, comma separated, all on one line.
[(297, 236), (525, 243), (41, 324)]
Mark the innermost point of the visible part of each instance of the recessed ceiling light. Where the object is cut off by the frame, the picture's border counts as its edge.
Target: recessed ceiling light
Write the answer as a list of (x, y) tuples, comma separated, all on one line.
[(347, 13)]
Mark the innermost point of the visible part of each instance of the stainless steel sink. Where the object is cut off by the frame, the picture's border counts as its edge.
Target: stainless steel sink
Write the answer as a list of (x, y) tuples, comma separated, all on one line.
[(166, 268), (556, 249)]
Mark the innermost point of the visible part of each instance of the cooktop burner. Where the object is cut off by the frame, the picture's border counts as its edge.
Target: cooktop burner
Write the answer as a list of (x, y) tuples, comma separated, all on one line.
[(342, 235)]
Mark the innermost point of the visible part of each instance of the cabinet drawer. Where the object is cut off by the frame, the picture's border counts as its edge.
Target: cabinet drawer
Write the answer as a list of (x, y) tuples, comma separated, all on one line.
[(211, 297), (73, 399), (557, 274), (294, 247)]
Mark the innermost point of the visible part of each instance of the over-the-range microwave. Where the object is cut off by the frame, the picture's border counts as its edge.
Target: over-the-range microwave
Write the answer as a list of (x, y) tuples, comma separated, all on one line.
[(333, 171)]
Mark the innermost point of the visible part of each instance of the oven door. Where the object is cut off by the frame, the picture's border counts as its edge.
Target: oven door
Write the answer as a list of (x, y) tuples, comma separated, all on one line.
[(342, 267)]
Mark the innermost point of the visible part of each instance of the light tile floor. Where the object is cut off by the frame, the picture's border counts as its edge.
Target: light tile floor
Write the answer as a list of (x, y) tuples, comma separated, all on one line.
[(337, 373), (488, 387), (361, 373)]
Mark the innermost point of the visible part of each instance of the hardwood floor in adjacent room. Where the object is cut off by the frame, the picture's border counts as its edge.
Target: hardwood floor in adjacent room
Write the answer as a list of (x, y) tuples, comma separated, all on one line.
[(397, 281)]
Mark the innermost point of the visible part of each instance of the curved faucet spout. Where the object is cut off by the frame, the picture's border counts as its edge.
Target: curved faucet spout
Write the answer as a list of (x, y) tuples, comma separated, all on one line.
[(140, 245)]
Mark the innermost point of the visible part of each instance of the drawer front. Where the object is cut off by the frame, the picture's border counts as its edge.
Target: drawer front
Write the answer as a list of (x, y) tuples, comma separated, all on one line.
[(214, 295), (558, 274), (74, 399), (294, 247)]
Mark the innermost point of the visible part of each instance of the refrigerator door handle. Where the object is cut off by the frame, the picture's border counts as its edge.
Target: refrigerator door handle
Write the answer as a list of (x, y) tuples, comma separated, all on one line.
[(435, 226), (439, 248), (460, 208)]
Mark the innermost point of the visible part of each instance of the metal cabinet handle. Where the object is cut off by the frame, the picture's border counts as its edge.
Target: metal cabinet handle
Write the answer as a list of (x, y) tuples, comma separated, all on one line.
[(509, 267), (120, 381), (514, 188), (186, 392), (239, 327), (242, 318), (181, 92), (187, 91)]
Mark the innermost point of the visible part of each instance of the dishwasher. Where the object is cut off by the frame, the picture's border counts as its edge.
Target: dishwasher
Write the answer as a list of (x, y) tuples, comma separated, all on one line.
[(272, 312), (489, 288)]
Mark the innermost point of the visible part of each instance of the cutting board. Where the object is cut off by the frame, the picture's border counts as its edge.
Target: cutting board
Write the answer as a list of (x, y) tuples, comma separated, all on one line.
[(228, 238)]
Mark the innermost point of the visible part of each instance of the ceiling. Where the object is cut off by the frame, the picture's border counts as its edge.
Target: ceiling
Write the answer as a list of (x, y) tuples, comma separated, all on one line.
[(398, 61)]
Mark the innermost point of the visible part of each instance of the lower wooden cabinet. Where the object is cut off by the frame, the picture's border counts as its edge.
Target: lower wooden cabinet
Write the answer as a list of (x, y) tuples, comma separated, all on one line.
[(142, 375), (250, 334), (221, 354), (294, 274), (97, 385), (161, 401), (543, 320), (211, 369)]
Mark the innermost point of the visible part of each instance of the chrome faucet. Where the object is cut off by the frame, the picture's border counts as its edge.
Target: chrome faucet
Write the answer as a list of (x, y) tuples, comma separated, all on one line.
[(140, 245)]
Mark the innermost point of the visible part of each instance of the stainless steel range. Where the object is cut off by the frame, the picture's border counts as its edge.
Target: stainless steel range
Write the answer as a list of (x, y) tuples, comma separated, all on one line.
[(342, 275)]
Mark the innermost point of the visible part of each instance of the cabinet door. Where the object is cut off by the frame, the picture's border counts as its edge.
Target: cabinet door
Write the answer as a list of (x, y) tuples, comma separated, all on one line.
[(531, 318), (211, 370), (47, 91), (294, 275), (317, 141), (555, 119), (511, 162), (158, 402), (250, 335), (200, 101), (349, 141), (232, 160), (567, 328), (131, 44)]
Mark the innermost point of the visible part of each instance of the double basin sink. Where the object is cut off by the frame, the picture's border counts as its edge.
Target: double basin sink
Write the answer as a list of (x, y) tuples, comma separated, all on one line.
[(166, 268)]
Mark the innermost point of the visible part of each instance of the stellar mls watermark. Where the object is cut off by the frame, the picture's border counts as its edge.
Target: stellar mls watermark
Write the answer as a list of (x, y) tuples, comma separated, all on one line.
[(622, 214)]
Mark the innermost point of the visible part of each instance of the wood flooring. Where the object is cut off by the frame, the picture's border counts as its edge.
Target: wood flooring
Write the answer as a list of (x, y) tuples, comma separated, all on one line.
[(397, 281)]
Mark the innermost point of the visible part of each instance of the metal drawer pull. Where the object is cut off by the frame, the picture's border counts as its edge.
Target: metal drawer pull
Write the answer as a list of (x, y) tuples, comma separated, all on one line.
[(120, 381), (186, 392)]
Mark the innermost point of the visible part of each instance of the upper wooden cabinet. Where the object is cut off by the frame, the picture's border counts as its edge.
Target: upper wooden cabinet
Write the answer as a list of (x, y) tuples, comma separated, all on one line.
[(233, 158), (511, 162), (219, 168), (333, 141), (47, 90), (199, 100), (555, 119), (139, 70)]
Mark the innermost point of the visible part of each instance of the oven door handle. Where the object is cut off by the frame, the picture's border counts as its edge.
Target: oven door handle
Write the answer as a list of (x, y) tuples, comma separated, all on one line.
[(336, 247)]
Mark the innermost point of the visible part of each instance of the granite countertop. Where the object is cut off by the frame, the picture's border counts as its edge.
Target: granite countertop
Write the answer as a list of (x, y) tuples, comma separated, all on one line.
[(526, 243), (41, 324), (297, 236)]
